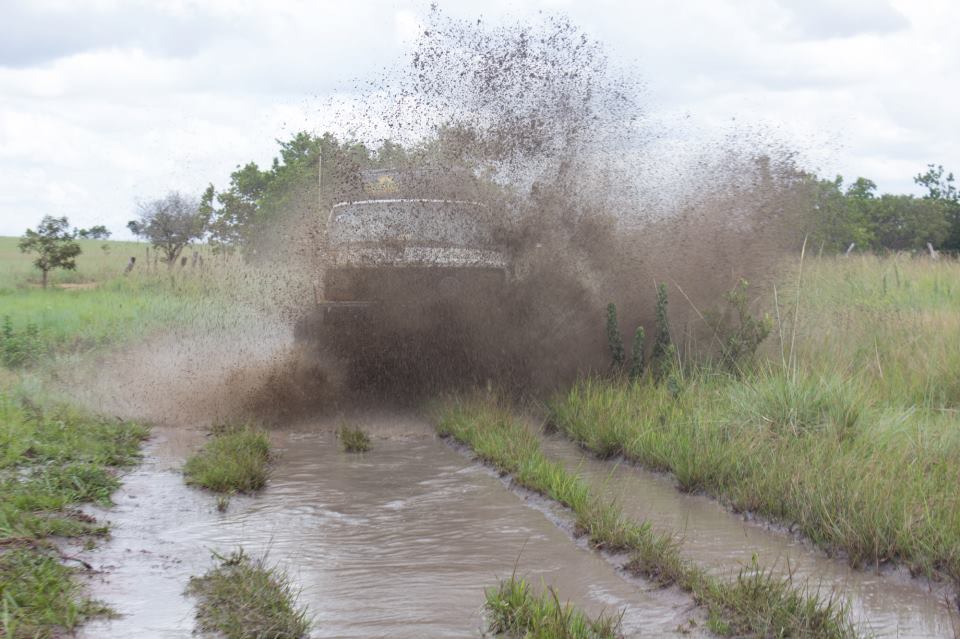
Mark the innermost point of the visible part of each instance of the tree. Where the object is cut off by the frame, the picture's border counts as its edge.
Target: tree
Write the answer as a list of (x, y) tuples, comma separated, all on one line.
[(905, 222), (941, 189), (170, 224), (54, 243), (98, 232)]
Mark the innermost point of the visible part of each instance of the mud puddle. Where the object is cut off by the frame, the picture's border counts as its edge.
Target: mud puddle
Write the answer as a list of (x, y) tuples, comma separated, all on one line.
[(885, 605), (399, 542)]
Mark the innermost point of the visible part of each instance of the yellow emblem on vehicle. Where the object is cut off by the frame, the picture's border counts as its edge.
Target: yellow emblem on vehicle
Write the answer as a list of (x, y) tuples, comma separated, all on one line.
[(384, 184)]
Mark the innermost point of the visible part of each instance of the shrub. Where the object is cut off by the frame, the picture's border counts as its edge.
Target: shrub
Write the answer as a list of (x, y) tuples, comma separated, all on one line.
[(638, 364), (662, 357), (614, 340), (245, 599), (353, 439), (737, 330), (236, 460), (19, 348)]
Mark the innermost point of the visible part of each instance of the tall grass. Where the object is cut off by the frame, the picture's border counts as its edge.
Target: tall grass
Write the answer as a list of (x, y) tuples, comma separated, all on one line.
[(755, 603), (848, 430)]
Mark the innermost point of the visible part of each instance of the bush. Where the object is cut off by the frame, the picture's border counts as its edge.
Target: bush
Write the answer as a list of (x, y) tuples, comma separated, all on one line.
[(353, 439), (236, 460), (245, 599), (614, 340), (738, 332), (19, 348)]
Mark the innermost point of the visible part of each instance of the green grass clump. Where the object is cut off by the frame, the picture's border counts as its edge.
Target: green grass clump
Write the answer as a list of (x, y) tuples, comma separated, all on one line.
[(514, 610), (775, 607), (40, 597), (243, 598), (234, 460), (354, 439), (52, 458)]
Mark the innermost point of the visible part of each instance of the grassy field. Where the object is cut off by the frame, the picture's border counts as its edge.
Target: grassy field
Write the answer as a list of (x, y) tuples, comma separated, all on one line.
[(848, 426)]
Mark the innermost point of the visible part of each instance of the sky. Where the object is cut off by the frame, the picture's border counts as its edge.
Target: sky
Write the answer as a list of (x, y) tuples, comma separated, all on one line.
[(104, 104)]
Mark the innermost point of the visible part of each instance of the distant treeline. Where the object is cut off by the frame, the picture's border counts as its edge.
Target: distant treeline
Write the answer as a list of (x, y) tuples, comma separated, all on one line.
[(839, 215), (856, 215)]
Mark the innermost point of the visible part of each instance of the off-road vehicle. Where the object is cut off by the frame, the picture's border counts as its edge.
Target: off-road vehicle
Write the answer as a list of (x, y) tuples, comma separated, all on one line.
[(406, 255)]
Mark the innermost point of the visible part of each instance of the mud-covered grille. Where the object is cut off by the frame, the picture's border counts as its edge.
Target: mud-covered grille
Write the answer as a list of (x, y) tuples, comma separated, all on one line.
[(408, 284)]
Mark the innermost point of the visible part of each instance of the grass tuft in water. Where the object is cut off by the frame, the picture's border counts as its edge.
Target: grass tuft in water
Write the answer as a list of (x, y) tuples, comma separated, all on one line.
[(354, 439), (235, 460), (243, 598), (515, 610)]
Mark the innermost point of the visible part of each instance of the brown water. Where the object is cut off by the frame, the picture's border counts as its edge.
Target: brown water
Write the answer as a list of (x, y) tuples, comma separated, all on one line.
[(887, 605), (399, 542)]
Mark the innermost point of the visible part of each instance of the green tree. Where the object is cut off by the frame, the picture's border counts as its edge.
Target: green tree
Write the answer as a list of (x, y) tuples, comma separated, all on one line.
[(838, 218), (98, 232), (170, 223), (256, 199), (905, 222), (54, 243), (941, 188)]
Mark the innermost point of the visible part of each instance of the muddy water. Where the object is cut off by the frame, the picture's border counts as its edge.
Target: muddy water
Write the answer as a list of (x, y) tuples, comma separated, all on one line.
[(890, 605), (399, 542)]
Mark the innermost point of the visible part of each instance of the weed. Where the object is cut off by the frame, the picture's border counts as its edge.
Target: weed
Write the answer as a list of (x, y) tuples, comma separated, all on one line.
[(244, 598), (21, 348), (513, 609), (236, 460), (663, 355), (353, 439), (614, 340), (223, 503), (637, 363), (737, 330)]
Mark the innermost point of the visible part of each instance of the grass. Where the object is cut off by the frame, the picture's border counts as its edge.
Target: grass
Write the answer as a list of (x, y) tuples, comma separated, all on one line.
[(110, 308), (235, 460), (755, 603), (242, 598), (40, 596), (513, 609), (850, 436), (354, 439), (52, 458)]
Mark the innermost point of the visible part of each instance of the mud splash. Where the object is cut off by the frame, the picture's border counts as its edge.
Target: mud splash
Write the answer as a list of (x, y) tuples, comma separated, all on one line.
[(397, 543)]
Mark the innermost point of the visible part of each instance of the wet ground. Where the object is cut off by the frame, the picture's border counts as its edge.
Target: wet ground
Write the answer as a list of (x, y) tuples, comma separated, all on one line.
[(886, 605), (399, 542)]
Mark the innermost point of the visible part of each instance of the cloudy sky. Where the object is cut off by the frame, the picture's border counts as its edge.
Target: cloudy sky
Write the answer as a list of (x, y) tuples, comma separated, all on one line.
[(104, 103)]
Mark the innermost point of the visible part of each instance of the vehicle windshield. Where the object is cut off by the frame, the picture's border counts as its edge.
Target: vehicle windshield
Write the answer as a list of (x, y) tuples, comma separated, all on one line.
[(420, 222)]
